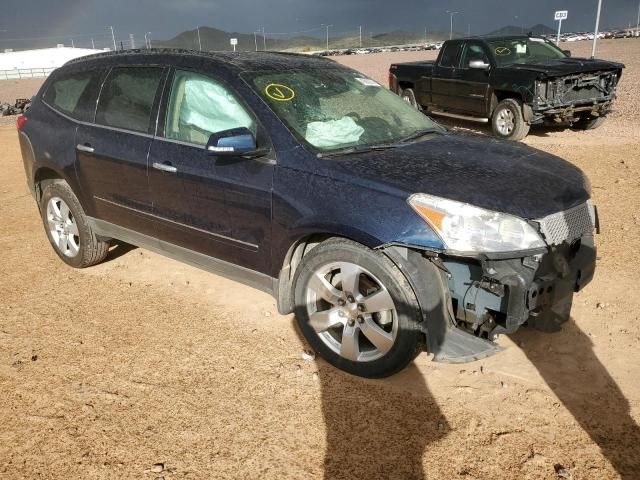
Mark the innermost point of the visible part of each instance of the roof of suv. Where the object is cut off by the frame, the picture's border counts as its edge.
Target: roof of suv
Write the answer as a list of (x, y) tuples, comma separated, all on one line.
[(236, 61)]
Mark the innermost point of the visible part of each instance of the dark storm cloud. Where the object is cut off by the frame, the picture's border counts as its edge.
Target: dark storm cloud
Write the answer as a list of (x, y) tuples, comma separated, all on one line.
[(31, 18)]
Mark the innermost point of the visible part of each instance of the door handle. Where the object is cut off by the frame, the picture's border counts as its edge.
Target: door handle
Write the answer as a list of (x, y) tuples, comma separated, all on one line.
[(85, 148), (165, 167)]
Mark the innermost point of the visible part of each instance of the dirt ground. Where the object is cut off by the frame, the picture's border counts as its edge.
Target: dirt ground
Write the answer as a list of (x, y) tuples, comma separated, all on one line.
[(142, 367)]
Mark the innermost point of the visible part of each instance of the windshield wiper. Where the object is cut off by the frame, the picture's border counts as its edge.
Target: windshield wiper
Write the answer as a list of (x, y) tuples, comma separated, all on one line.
[(353, 150), (418, 134)]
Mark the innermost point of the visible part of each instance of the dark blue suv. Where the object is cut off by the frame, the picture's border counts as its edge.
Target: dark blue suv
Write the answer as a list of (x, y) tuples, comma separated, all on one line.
[(383, 232)]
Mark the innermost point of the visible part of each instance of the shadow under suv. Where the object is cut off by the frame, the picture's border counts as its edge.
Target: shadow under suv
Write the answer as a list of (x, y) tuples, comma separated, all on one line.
[(383, 232)]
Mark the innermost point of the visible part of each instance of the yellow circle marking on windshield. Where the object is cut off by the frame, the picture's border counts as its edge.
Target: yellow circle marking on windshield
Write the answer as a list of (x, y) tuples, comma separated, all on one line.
[(279, 93), (502, 51)]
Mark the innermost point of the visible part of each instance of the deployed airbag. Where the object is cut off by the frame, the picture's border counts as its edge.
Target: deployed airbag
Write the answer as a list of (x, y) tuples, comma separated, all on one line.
[(211, 108), (333, 132)]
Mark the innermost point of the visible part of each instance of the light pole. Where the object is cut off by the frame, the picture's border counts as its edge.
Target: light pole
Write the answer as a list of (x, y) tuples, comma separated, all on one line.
[(451, 14), (327, 27), (113, 37), (199, 41), (255, 39), (638, 21), (360, 36), (595, 33)]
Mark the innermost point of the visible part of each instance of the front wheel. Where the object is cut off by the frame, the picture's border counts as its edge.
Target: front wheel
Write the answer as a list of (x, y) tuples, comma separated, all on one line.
[(357, 310), (508, 122)]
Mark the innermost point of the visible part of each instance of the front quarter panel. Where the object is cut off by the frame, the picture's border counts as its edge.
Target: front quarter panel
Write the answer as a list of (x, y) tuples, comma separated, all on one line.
[(305, 203)]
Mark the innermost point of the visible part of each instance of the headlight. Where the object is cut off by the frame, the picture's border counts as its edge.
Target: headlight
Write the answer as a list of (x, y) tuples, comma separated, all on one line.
[(541, 89), (465, 228)]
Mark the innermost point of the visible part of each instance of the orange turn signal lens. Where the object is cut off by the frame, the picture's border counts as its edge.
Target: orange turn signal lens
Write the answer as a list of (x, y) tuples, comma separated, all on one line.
[(434, 217)]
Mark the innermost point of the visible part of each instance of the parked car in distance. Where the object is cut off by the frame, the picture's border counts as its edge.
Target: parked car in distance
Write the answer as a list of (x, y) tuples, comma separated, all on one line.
[(513, 82), (382, 231)]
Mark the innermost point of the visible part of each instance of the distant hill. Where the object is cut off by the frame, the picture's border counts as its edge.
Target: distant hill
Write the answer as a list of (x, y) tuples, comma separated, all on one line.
[(215, 39), (538, 29)]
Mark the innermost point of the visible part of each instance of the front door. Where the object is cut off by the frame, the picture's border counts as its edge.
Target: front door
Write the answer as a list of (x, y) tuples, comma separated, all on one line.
[(112, 152), (444, 84), (218, 206), (473, 88)]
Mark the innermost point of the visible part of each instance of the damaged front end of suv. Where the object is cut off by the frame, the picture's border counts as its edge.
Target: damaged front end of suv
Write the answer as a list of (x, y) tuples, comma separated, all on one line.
[(497, 273)]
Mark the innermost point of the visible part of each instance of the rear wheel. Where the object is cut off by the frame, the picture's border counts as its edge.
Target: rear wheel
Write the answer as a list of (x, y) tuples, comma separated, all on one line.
[(68, 229), (588, 123), (508, 122), (357, 310), (409, 96)]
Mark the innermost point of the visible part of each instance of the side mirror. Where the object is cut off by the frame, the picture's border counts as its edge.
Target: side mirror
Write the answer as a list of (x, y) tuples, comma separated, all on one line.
[(567, 52), (230, 143), (479, 65)]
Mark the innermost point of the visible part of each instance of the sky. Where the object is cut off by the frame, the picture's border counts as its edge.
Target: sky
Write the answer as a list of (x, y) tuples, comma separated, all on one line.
[(80, 20)]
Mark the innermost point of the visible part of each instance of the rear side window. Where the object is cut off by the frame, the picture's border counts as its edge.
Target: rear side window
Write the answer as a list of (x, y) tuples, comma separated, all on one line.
[(450, 55), (75, 94), (127, 98)]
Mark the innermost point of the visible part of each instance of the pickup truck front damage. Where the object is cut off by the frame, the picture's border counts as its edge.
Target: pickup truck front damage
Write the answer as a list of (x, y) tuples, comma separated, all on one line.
[(565, 99)]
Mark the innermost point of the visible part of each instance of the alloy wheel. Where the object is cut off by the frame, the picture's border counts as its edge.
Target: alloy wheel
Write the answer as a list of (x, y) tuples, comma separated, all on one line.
[(351, 311), (63, 227), (505, 122)]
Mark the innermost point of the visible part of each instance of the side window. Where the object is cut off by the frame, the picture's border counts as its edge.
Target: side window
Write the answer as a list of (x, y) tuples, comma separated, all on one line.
[(200, 106), (75, 94), (473, 51), (127, 98), (450, 55)]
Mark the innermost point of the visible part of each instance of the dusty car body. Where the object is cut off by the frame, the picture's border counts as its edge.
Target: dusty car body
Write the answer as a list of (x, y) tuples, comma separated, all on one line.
[(383, 232)]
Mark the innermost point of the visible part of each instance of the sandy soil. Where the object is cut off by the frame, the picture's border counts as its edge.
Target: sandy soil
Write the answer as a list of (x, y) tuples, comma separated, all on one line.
[(143, 367)]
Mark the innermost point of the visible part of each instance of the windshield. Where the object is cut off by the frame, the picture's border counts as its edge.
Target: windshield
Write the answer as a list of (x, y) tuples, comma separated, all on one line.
[(525, 50), (334, 109)]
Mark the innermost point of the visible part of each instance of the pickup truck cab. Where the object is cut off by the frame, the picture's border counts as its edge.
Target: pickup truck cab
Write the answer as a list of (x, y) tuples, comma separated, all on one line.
[(513, 82)]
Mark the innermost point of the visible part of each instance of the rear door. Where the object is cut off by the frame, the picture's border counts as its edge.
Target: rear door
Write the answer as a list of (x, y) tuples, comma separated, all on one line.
[(473, 84), (112, 152), (218, 206), (445, 84)]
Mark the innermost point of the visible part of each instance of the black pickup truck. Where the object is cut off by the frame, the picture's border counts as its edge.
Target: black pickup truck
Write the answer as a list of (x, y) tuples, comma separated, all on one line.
[(514, 82)]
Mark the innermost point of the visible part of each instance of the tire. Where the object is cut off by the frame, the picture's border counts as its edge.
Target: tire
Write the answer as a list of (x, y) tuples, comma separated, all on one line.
[(508, 122), (409, 96), (388, 313), (588, 123), (67, 228)]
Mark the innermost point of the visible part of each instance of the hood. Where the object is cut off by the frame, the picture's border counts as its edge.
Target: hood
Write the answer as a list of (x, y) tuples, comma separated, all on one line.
[(502, 176), (568, 66)]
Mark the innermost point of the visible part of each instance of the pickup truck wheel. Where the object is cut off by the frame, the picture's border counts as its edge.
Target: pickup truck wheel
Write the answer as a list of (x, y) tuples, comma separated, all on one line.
[(67, 228), (588, 123), (356, 309), (409, 96), (508, 122)]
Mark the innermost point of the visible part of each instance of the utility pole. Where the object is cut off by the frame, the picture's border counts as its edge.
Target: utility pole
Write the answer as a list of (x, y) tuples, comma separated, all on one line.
[(451, 14), (264, 40), (255, 39), (72, 45), (426, 38), (149, 38), (468, 30), (133, 41), (93, 45), (595, 33), (199, 41), (360, 36), (638, 21), (327, 27), (113, 37)]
